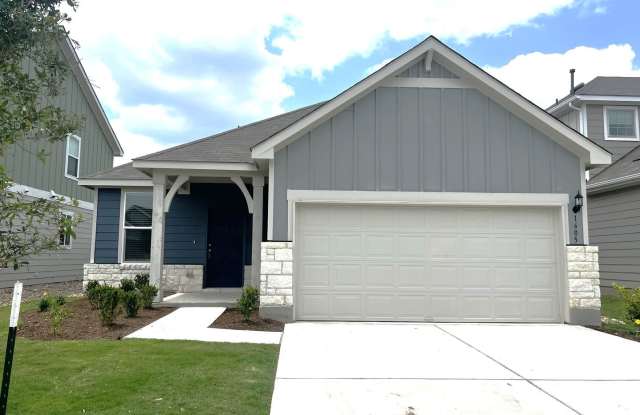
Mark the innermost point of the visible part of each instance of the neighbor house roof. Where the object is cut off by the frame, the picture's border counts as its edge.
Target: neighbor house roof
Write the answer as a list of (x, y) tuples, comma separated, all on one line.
[(232, 146), (90, 95), (603, 88), (115, 176), (624, 172)]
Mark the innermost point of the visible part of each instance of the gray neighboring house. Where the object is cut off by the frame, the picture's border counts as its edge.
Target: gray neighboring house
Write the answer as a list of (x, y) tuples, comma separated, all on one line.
[(428, 191), (88, 152), (606, 110)]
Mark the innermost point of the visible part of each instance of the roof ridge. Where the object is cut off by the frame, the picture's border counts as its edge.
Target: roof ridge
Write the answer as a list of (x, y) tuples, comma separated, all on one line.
[(213, 136)]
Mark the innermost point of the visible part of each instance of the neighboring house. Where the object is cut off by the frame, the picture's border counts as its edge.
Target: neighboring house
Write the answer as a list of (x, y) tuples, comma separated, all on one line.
[(606, 110), (429, 191), (88, 152)]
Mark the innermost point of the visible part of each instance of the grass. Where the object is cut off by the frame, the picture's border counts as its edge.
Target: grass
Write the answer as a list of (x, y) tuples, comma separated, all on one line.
[(138, 376), (613, 307)]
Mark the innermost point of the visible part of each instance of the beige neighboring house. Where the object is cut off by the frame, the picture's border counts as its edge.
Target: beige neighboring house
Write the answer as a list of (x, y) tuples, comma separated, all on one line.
[(89, 151)]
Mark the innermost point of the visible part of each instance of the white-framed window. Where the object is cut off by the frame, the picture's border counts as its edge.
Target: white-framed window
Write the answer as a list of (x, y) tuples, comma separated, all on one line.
[(621, 123), (72, 161), (138, 208), (64, 241)]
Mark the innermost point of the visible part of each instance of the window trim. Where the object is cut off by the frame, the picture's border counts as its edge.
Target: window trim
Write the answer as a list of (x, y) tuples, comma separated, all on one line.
[(64, 245), (124, 227), (67, 155), (606, 108)]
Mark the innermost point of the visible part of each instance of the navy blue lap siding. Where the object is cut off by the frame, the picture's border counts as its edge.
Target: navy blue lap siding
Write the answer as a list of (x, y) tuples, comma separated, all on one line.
[(107, 226)]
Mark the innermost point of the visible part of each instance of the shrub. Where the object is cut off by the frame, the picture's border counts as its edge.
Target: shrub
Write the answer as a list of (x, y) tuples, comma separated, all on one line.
[(248, 302), (127, 285), (58, 315), (93, 289), (108, 300), (147, 295), (44, 304), (60, 300), (141, 280), (631, 298), (131, 301), (92, 285)]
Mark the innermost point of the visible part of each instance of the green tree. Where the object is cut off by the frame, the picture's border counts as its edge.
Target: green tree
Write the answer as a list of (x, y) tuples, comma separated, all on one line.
[(30, 32)]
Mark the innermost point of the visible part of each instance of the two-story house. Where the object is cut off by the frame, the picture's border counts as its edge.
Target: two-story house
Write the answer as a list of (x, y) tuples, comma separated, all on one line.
[(606, 110), (90, 151)]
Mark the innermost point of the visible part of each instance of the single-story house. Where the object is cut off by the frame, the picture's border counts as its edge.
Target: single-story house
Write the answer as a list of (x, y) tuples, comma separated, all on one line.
[(428, 191)]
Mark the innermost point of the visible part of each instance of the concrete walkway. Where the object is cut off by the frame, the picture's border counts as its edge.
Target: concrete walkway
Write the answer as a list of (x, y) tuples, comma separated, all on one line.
[(192, 323), (412, 369)]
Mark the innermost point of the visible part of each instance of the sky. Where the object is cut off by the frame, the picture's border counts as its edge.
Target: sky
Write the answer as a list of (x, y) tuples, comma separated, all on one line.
[(169, 72)]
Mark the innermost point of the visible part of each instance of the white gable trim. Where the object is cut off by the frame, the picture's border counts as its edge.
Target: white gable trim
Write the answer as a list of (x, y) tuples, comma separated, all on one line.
[(427, 83), (521, 107)]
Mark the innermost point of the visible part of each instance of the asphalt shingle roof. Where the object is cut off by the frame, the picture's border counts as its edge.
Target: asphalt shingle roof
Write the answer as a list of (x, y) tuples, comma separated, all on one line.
[(612, 86), (123, 172), (625, 166)]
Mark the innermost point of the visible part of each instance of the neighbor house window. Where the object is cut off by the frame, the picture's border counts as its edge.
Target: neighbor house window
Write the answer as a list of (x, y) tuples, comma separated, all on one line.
[(137, 226), (64, 241), (621, 123), (72, 168)]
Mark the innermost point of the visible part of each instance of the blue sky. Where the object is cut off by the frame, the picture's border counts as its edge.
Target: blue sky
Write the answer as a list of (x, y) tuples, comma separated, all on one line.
[(177, 74)]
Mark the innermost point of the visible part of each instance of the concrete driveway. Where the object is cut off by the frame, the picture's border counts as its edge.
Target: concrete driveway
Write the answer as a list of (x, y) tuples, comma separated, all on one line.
[(378, 368)]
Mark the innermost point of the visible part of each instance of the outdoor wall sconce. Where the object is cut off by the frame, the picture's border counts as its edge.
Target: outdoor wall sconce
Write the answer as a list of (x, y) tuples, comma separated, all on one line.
[(577, 203)]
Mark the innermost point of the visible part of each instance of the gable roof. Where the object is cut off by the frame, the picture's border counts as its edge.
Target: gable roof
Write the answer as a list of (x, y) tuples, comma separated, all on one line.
[(90, 95), (572, 140), (603, 88), (625, 171), (231, 146)]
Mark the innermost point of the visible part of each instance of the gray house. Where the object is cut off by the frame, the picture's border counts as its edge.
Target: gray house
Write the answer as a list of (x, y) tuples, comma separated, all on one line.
[(428, 191), (88, 152), (606, 110)]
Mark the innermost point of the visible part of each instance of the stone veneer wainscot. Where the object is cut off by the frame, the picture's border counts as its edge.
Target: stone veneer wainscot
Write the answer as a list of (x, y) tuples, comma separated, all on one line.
[(583, 284), (178, 278), (276, 280)]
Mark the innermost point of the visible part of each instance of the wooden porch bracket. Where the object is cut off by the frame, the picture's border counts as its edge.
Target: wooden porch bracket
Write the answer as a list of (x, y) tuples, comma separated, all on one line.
[(243, 188), (180, 180)]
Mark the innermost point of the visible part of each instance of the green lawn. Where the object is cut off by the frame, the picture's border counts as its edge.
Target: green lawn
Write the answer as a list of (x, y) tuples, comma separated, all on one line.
[(139, 376), (613, 307)]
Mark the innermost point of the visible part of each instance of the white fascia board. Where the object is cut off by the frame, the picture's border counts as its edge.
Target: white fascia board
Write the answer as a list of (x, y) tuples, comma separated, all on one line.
[(612, 184), (48, 195), (190, 165), (613, 98), (265, 149), (114, 183), (428, 198), (490, 86)]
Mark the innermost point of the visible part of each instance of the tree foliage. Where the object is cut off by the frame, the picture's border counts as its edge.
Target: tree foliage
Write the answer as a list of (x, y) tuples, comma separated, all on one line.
[(32, 74)]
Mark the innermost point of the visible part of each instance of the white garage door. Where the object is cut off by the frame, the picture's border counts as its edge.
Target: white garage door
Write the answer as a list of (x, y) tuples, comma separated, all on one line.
[(404, 263)]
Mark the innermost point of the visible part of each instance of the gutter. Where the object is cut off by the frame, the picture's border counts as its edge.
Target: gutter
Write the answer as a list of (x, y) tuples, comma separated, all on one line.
[(613, 184)]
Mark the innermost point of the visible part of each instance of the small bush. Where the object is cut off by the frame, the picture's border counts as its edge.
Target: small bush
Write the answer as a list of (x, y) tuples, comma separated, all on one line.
[(127, 284), (147, 295), (141, 280), (108, 300), (131, 302), (58, 315), (44, 304), (631, 298), (60, 300), (92, 285), (248, 302)]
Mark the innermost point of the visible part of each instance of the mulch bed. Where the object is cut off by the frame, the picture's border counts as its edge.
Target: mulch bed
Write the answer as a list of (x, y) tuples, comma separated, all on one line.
[(618, 333), (83, 323), (233, 319)]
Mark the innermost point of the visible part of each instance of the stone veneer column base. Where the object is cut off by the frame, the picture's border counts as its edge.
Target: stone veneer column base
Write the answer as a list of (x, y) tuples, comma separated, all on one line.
[(178, 278), (583, 284), (276, 280)]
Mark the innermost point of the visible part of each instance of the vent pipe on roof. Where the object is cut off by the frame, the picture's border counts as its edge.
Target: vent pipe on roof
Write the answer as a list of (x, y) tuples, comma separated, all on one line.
[(572, 73)]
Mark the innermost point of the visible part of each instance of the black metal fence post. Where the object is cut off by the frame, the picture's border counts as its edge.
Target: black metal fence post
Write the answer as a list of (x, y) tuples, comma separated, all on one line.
[(11, 341)]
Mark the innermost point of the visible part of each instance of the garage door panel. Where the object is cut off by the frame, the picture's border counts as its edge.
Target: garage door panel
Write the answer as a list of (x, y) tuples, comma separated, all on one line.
[(455, 264)]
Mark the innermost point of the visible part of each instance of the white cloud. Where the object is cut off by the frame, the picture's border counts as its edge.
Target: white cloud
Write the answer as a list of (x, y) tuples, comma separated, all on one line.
[(141, 37), (543, 77), (371, 69)]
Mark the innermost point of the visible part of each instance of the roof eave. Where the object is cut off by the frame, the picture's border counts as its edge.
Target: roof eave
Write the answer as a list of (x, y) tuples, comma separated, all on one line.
[(613, 184)]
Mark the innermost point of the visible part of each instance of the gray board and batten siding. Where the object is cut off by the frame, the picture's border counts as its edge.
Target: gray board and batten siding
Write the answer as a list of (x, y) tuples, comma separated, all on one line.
[(428, 140), (25, 168), (614, 225)]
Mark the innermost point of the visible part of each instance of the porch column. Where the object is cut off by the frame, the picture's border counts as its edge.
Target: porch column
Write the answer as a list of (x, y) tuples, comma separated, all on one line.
[(157, 232), (256, 234)]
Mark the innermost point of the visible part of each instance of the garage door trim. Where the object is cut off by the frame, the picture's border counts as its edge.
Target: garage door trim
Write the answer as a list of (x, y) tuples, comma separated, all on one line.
[(457, 199)]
